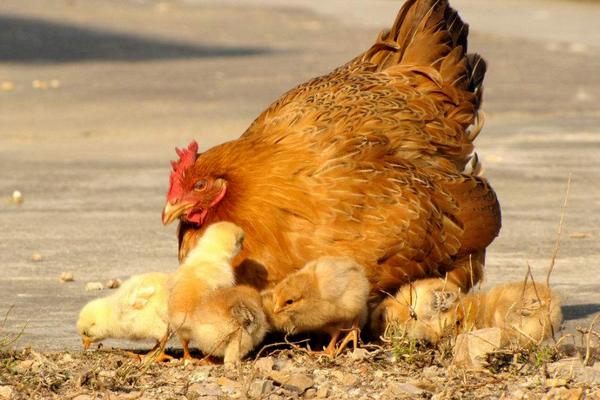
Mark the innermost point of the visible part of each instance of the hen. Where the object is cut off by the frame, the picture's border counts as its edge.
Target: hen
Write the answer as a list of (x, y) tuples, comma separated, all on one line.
[(367, 161)]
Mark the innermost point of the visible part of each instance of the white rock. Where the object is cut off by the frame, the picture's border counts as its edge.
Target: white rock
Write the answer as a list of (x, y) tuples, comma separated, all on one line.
[(91, 286)]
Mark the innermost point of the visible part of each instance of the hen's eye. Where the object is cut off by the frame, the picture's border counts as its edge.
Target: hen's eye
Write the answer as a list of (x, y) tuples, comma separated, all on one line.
[(289, 302), (201, 184)]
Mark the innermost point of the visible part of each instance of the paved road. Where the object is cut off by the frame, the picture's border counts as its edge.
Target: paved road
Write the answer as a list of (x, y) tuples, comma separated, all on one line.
[(137, 78)]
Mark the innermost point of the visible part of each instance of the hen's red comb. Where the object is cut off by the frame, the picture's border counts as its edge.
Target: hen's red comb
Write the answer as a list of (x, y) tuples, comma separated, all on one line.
[(187, 158)]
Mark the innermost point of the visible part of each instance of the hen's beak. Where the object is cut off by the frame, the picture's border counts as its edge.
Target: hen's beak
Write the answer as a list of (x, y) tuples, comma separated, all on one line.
[(87, 342), (174, 211)]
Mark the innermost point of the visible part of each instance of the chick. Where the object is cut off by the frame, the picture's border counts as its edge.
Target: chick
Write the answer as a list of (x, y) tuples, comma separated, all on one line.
[(327, 295), (527, 314), (425, 309), (206, 268), (229, 323), (429, 309), (136, 311)]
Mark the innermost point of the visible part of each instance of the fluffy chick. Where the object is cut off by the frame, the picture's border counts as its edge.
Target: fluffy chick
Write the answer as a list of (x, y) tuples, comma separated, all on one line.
[(429, 309), (136, 311), (229, 323), (328, 295), (527, 314), (206, 268)]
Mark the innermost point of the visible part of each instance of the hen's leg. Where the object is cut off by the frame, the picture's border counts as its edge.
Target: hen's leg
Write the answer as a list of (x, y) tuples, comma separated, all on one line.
[(351, 336)]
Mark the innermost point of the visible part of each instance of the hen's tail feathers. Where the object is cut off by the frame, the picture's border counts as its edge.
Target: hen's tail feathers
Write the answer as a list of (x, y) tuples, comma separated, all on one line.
[(430, 33), (429, 39)]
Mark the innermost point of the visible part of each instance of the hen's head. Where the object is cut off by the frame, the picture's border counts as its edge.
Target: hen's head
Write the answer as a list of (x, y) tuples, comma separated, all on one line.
[(192, 192)]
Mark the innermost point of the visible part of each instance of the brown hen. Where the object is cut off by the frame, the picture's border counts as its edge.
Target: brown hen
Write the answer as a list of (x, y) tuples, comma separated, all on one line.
[(367, 162)]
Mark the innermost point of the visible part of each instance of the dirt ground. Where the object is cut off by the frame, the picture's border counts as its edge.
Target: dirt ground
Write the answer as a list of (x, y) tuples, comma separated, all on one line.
[(95, 94)]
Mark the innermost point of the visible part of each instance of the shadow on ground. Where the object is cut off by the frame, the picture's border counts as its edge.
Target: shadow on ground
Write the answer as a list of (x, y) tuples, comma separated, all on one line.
[(579, 311), (25, 40)]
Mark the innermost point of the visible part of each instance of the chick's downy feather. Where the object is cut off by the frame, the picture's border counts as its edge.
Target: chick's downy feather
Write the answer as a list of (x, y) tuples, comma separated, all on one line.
[(326, 294), (432, 308), (136, 311), (367, 161)]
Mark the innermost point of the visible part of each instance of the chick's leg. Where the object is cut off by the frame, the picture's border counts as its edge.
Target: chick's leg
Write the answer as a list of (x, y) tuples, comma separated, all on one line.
[(187, 356), (330, 350), (351, 336), (157, 354)]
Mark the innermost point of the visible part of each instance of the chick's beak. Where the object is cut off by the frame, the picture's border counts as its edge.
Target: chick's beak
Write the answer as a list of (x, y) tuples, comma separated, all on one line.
[(87, 342), (172, 211), (277, 309)]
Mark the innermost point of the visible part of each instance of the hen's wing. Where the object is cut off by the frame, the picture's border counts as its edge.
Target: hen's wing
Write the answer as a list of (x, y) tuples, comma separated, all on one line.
[(416, 85)]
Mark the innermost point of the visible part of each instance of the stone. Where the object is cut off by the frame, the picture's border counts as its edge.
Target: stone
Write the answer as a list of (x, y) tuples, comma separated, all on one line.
[(264, 365), (562, 393), (199, 390), (91, 286), (396, 389), (67, 277), (113, 283), (7, 392), (345, 379), (293, 382), (359, 354), (201, 373), (83, 397), (24, 366), (555, 382), (471, 348), (322, 392), (227, 385), (574, 368), (36, 257), (259, 388), (310, 393)]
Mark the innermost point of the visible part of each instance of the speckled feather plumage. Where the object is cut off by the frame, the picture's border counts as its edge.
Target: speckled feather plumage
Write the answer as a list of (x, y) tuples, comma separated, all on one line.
[(367, 162)]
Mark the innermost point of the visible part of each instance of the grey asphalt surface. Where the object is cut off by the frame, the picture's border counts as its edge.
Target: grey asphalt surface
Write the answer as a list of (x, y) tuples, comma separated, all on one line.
[(137, 78)]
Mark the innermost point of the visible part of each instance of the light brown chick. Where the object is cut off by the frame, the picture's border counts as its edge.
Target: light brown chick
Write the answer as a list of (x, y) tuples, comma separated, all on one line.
[(206, 268), (526, 314), (327, 295), (229, 323), (426, 309), (429, 309)]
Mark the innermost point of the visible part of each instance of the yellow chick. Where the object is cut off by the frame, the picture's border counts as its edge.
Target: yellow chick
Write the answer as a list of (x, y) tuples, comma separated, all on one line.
[(136, 311), (429, 309), (206, 268), (527, 314), (425, 309), (327, 295), (229, 323)]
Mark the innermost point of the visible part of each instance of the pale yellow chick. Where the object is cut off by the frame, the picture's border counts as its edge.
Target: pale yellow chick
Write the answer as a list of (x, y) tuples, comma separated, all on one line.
[(229, 323), (429, 309), (206, 268), (136, 311), (327, 295)]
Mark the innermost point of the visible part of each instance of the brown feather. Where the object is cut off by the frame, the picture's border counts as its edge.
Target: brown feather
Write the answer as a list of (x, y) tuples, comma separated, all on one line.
[(366, 162)]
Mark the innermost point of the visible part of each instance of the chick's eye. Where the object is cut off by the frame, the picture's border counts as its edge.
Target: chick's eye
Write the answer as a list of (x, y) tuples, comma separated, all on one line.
[(289, 302), (201, 185)]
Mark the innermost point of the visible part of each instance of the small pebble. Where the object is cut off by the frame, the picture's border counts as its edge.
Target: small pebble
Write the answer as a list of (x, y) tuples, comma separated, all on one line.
[(54, 83), (67, 277), (36, 257), (17, 198), (38, 84), (113, 283), (7, 86), (91, 286)]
